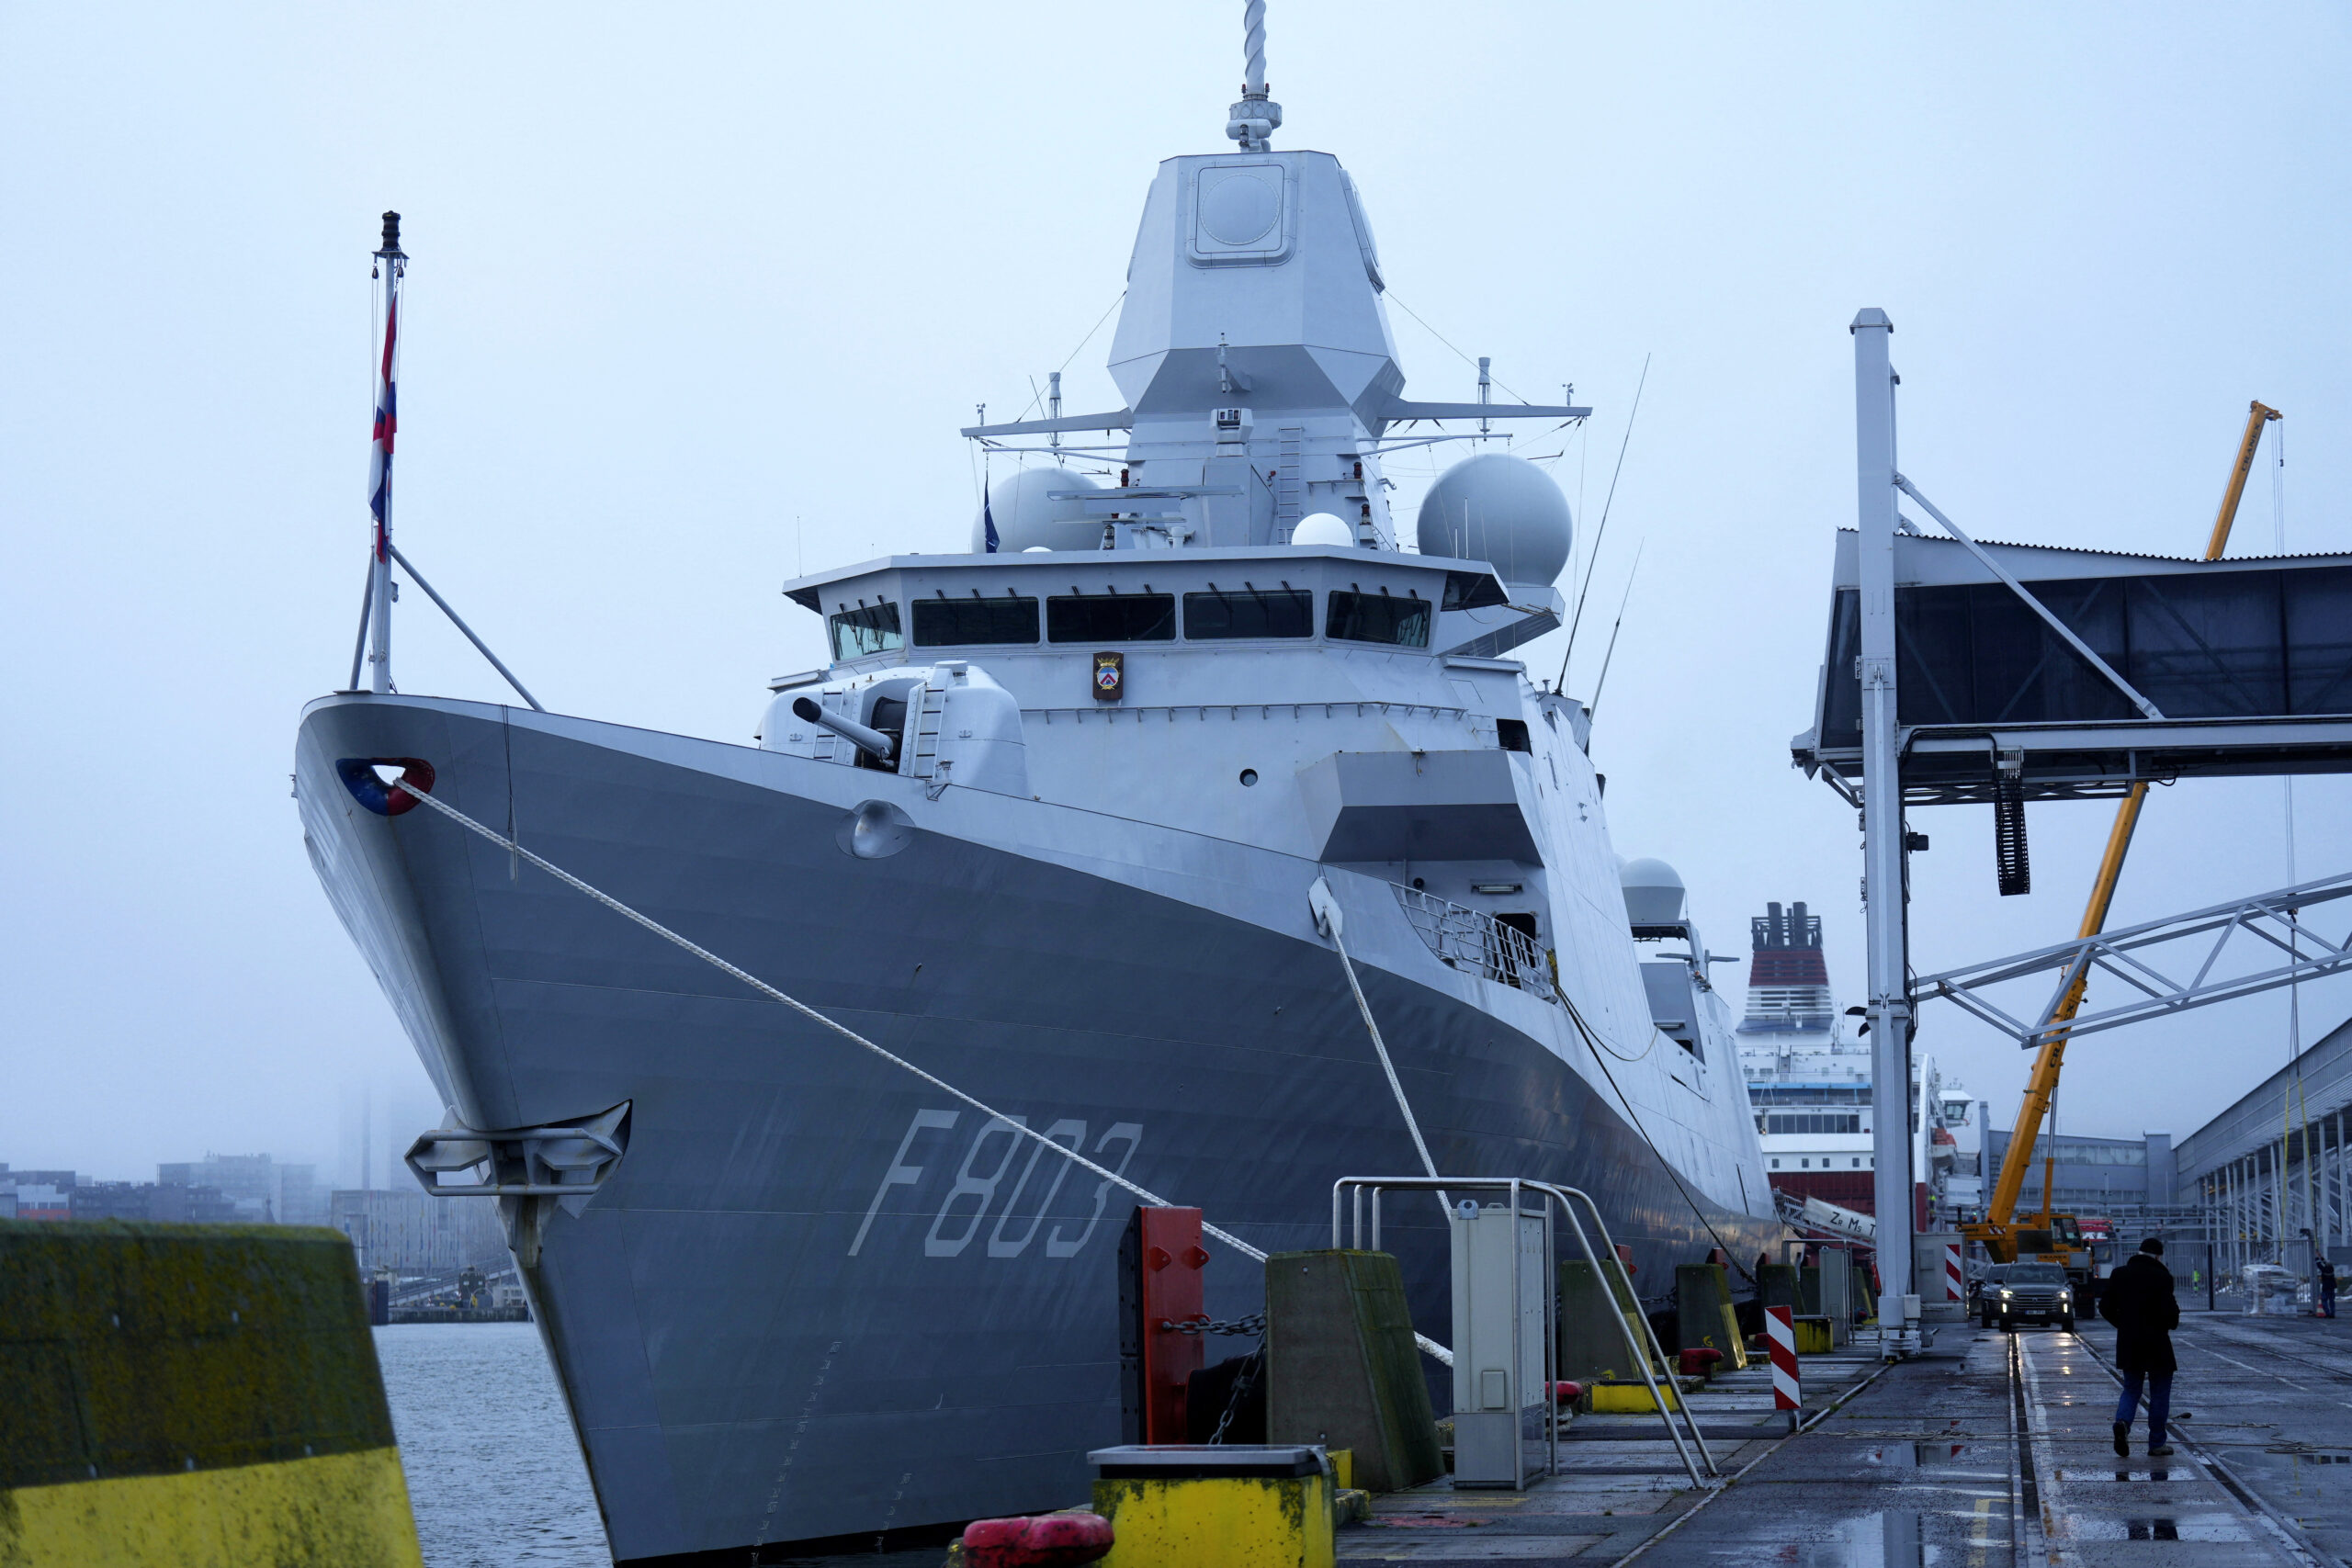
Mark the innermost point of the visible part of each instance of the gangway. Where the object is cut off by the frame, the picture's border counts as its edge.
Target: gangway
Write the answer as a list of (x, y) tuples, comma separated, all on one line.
[(1967, 672)]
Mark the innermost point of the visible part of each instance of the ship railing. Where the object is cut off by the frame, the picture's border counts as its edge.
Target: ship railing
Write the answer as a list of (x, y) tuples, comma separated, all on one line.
[(1477, 942)]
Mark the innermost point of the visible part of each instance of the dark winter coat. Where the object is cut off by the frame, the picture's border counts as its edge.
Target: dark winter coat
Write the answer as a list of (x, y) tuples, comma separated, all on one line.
[(2138, 1301)]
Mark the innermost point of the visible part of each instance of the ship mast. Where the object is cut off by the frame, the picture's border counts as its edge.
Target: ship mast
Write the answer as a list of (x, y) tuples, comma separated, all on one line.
[(391, 262), (1251, 121)]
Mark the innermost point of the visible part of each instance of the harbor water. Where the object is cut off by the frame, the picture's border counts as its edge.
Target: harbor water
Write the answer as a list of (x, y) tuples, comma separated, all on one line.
[(493, 1471)]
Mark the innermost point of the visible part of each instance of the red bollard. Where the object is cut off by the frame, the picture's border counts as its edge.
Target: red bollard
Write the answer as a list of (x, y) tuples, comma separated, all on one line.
[(1565, 1392), (1049, 1540), (1699, 1363)]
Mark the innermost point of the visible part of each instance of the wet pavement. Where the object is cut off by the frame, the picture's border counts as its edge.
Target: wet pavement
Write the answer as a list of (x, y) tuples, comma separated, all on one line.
[(1989, 1448)]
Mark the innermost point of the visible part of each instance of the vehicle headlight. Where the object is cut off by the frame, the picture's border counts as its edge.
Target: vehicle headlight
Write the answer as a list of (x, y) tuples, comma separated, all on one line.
[(2065, 1298), (2004, 1292)]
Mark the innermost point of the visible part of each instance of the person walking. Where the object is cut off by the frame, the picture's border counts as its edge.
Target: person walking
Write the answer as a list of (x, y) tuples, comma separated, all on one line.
[(2323, 1276), (2138, 1301)]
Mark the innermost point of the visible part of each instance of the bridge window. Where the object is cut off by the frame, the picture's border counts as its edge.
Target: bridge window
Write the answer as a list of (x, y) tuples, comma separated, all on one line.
[(1112, 617), (967, 622), (1282, 611), (869, 628), (1510, 733), (1378, 617)]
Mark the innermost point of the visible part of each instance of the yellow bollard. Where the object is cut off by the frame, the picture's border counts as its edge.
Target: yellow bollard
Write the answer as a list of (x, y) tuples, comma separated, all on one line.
[(1175, 1505)]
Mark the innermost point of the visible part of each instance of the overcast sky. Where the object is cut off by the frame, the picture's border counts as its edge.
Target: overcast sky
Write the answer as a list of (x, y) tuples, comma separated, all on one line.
[(700, 294)]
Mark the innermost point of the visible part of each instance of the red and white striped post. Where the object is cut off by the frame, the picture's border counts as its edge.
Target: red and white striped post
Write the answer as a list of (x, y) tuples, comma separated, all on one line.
[(1954, 1289), (1780, 1329)]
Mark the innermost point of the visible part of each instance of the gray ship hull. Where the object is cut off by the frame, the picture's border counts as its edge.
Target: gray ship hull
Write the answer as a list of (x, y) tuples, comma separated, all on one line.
[(818, 1298)]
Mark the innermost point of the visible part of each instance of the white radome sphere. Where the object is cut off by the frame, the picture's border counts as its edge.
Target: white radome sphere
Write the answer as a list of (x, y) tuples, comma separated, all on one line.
[(1027, 519), (1501, 510), (1322, 528), (1654, 892)]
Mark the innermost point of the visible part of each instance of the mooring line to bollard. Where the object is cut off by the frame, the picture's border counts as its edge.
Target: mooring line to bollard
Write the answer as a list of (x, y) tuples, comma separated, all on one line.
[(1325, 908), (666, 934)]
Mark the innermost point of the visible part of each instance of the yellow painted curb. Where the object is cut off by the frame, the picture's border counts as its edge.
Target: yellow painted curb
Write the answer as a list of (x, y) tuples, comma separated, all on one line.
[(350, 1510)]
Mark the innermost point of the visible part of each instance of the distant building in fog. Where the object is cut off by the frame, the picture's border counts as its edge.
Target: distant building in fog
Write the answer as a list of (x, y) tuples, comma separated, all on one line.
[(410, 1232), (153, 1201), (264, 1190), (35, 1194), (218, 1188)]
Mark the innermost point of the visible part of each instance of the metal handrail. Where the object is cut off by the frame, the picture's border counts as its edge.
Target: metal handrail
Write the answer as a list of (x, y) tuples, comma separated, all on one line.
[(1376, 1185), (1472, 939)]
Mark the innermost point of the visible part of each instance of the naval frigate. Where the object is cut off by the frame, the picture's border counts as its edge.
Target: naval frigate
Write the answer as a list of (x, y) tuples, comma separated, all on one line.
[(1046, 826)]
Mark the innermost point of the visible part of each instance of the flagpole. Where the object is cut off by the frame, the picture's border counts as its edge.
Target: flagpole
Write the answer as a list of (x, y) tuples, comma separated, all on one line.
[(391, 262)]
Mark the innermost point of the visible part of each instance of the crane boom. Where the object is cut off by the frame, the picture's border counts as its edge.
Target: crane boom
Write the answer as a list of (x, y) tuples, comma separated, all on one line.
[(1998, 1230)]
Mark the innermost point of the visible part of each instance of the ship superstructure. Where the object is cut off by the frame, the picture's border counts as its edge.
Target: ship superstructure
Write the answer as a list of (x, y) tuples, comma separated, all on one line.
[(1809, 1080), (1046, 827)]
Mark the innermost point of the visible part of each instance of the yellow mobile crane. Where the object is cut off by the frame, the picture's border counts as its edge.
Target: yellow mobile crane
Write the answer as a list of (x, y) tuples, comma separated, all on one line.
[(2055, 1238)]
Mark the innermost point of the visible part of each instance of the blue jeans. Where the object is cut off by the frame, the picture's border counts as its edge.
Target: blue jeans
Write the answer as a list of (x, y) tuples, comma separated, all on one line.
[(2159, 1385), (2327, 1301)]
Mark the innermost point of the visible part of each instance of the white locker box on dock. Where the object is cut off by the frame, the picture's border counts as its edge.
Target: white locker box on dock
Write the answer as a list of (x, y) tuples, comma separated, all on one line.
[(1499, 1334)]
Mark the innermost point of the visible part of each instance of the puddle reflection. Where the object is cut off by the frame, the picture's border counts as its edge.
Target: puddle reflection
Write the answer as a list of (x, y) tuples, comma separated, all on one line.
[(1874, 1540), (1917, 1456), (2178, 1527)]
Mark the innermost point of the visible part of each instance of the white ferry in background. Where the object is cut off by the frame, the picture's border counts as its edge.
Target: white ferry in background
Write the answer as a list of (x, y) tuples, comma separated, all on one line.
[(1809, 1080)]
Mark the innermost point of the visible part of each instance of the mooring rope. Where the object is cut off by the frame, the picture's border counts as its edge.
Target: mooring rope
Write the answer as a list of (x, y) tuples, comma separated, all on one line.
[(1380, 1047), (666, 934)]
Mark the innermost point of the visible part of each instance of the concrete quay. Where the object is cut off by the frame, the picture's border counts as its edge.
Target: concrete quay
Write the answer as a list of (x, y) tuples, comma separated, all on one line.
[(1989, 1448)]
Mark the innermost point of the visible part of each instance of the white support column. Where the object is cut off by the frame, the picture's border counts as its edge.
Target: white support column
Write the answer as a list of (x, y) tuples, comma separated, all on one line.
[(1882, 851), (2336, 1186)]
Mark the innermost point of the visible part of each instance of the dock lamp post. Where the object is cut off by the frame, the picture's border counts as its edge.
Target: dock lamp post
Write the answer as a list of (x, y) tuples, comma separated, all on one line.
[(1885, 880)]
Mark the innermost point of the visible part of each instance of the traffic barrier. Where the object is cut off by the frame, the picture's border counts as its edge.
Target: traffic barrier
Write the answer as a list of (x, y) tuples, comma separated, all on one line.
[(1955, 1288), (1780, 1332), (1266, 1505), (192, 1397), (1342, 1369), (1047, 1541)]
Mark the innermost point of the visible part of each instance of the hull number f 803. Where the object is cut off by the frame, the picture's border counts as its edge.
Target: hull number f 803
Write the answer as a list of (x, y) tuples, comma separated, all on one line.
[(995, 1151)]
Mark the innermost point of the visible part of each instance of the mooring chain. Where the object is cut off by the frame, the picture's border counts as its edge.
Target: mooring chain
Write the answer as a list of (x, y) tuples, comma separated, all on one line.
[(1254, 1324), (1247, 1376)]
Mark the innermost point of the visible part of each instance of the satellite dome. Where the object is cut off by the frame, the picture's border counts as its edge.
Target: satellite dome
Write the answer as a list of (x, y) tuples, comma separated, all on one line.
[(1322, 528), (1027, 518), (1653, 891), (1501, 510)]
